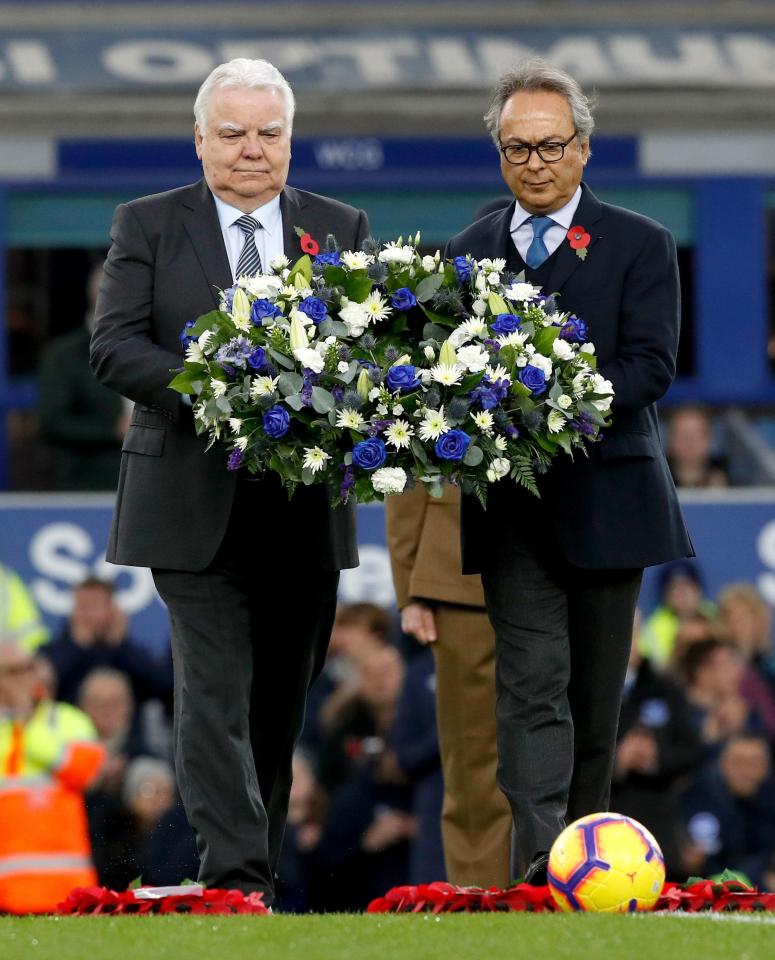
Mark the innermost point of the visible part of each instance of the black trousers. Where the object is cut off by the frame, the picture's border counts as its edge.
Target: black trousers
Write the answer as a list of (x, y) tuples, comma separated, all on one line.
[(249, 635), (562, 641)]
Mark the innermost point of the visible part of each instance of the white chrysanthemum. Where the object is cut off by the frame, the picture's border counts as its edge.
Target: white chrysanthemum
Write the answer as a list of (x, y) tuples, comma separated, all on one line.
[(315, 459), (343, 366), (498, 372), (263, 287), (241, 443), (218, 387), (199, 412), (236, 424), (587, 348), (543, 363), (521, 291), (349, 419), (393, 253), (562, 349), (428, 264), (580, 384), (389, 480), (290, 292), (376, 307), (355, 317), (280, 263), (356, 259), (484, 420), (447, 374), (498, 469), (430, 353), (499, 264), (468, 330), (433, 424), (310, 359), (501, 443), (194, 353), (263, 386), (399, 434), (564, 401), (515, 339), (555, 421), (473, 358)]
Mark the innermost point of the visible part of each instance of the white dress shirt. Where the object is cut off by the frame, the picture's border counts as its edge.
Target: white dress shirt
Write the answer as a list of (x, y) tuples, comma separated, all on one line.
[(522, 231), (269, 235)]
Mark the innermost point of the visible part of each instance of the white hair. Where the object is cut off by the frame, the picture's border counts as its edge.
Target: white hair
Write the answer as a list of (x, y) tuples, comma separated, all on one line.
[(251, 74)]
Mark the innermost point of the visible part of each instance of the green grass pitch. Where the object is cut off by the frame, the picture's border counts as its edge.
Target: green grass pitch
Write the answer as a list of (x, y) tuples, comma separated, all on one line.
[(406, 937)]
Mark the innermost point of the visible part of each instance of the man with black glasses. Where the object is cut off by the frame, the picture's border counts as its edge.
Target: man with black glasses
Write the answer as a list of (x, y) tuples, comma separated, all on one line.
[(561, 574)]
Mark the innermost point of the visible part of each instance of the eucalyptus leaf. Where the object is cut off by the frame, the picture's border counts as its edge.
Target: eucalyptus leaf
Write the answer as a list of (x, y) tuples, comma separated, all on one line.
[(333, 328), (295, 402), (284, 361), (322, 400), (419, 451), (290, 383), (473, 456), (427, 288), (432, 331)]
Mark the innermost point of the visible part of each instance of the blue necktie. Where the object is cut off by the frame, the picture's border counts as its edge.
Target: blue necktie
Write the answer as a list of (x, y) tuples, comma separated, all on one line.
[(537, 252), (249, 263)]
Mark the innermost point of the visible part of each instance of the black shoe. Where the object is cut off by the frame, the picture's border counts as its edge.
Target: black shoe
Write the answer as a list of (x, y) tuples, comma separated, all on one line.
[(536, 872)]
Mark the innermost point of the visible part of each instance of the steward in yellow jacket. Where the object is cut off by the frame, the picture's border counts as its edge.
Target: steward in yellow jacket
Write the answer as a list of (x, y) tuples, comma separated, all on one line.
[(48, 757)]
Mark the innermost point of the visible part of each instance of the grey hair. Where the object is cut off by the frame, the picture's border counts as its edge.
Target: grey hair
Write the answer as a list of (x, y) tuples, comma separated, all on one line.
[(251, 74), (141, 769), (538, 74)]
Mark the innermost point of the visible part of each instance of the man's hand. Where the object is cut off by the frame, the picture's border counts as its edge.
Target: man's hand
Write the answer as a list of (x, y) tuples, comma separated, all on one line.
[(417, 620), (637, 752), (388, 828)]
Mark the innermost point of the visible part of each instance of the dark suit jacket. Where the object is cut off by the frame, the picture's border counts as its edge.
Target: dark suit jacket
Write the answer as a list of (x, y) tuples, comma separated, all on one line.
[(166, 265), (616, 509)]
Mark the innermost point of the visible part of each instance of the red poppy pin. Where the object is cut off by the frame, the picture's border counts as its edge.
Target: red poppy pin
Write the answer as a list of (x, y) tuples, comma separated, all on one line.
[(579, 240), (307, 244)]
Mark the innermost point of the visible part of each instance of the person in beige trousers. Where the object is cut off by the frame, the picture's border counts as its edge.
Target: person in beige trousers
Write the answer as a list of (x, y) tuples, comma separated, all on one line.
[(441, 607)]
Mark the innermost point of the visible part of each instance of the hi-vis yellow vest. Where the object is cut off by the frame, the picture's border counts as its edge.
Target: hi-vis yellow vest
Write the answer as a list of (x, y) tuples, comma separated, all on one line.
[(45, 765), (19, 617)]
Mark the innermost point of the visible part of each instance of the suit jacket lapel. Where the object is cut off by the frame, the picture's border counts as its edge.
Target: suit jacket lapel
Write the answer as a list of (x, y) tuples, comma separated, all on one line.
[(588, 212), (501, 233), (204, 230), (291, 208)]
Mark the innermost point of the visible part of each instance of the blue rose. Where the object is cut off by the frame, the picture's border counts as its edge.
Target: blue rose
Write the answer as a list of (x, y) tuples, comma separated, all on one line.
[(574, 330), (452, 445), (463, 268), (257, 359), (314, 308), (262, 309), (506, 323), (332, 259), (534, 379), (185, 337), (402, 379), (277, 420), (369, 454), (403, 299)]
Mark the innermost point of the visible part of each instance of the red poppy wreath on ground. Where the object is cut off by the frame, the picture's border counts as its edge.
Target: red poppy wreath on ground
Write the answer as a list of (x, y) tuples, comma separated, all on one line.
[(144, 900)]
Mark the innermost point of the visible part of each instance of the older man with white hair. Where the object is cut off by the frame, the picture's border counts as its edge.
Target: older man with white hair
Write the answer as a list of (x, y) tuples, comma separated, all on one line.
[(228, 553)]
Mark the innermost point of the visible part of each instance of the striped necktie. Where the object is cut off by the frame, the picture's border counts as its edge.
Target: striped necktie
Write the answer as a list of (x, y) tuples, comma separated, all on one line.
[(537, 252), (249, 263)]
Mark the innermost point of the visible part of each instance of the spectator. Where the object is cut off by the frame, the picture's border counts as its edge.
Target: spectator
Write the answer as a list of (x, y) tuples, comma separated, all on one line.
[(298, 885), (48, 757), (415, 740), (20, 618), (730, 811), (656, 749), (712, 673), (364, 849), (689, 450), (359, 630), (96, 635), (747, 619), (83, 421), (681, 600)]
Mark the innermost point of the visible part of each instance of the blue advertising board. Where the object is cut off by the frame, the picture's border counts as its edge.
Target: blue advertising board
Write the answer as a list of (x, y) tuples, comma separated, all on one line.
[(56, 541)]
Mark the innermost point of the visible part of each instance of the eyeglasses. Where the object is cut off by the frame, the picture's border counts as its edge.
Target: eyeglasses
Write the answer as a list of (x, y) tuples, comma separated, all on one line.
[(550, 152)]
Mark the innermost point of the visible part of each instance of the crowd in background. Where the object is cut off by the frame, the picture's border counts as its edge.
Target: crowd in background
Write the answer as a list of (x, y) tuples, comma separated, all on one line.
[(694, 760)]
